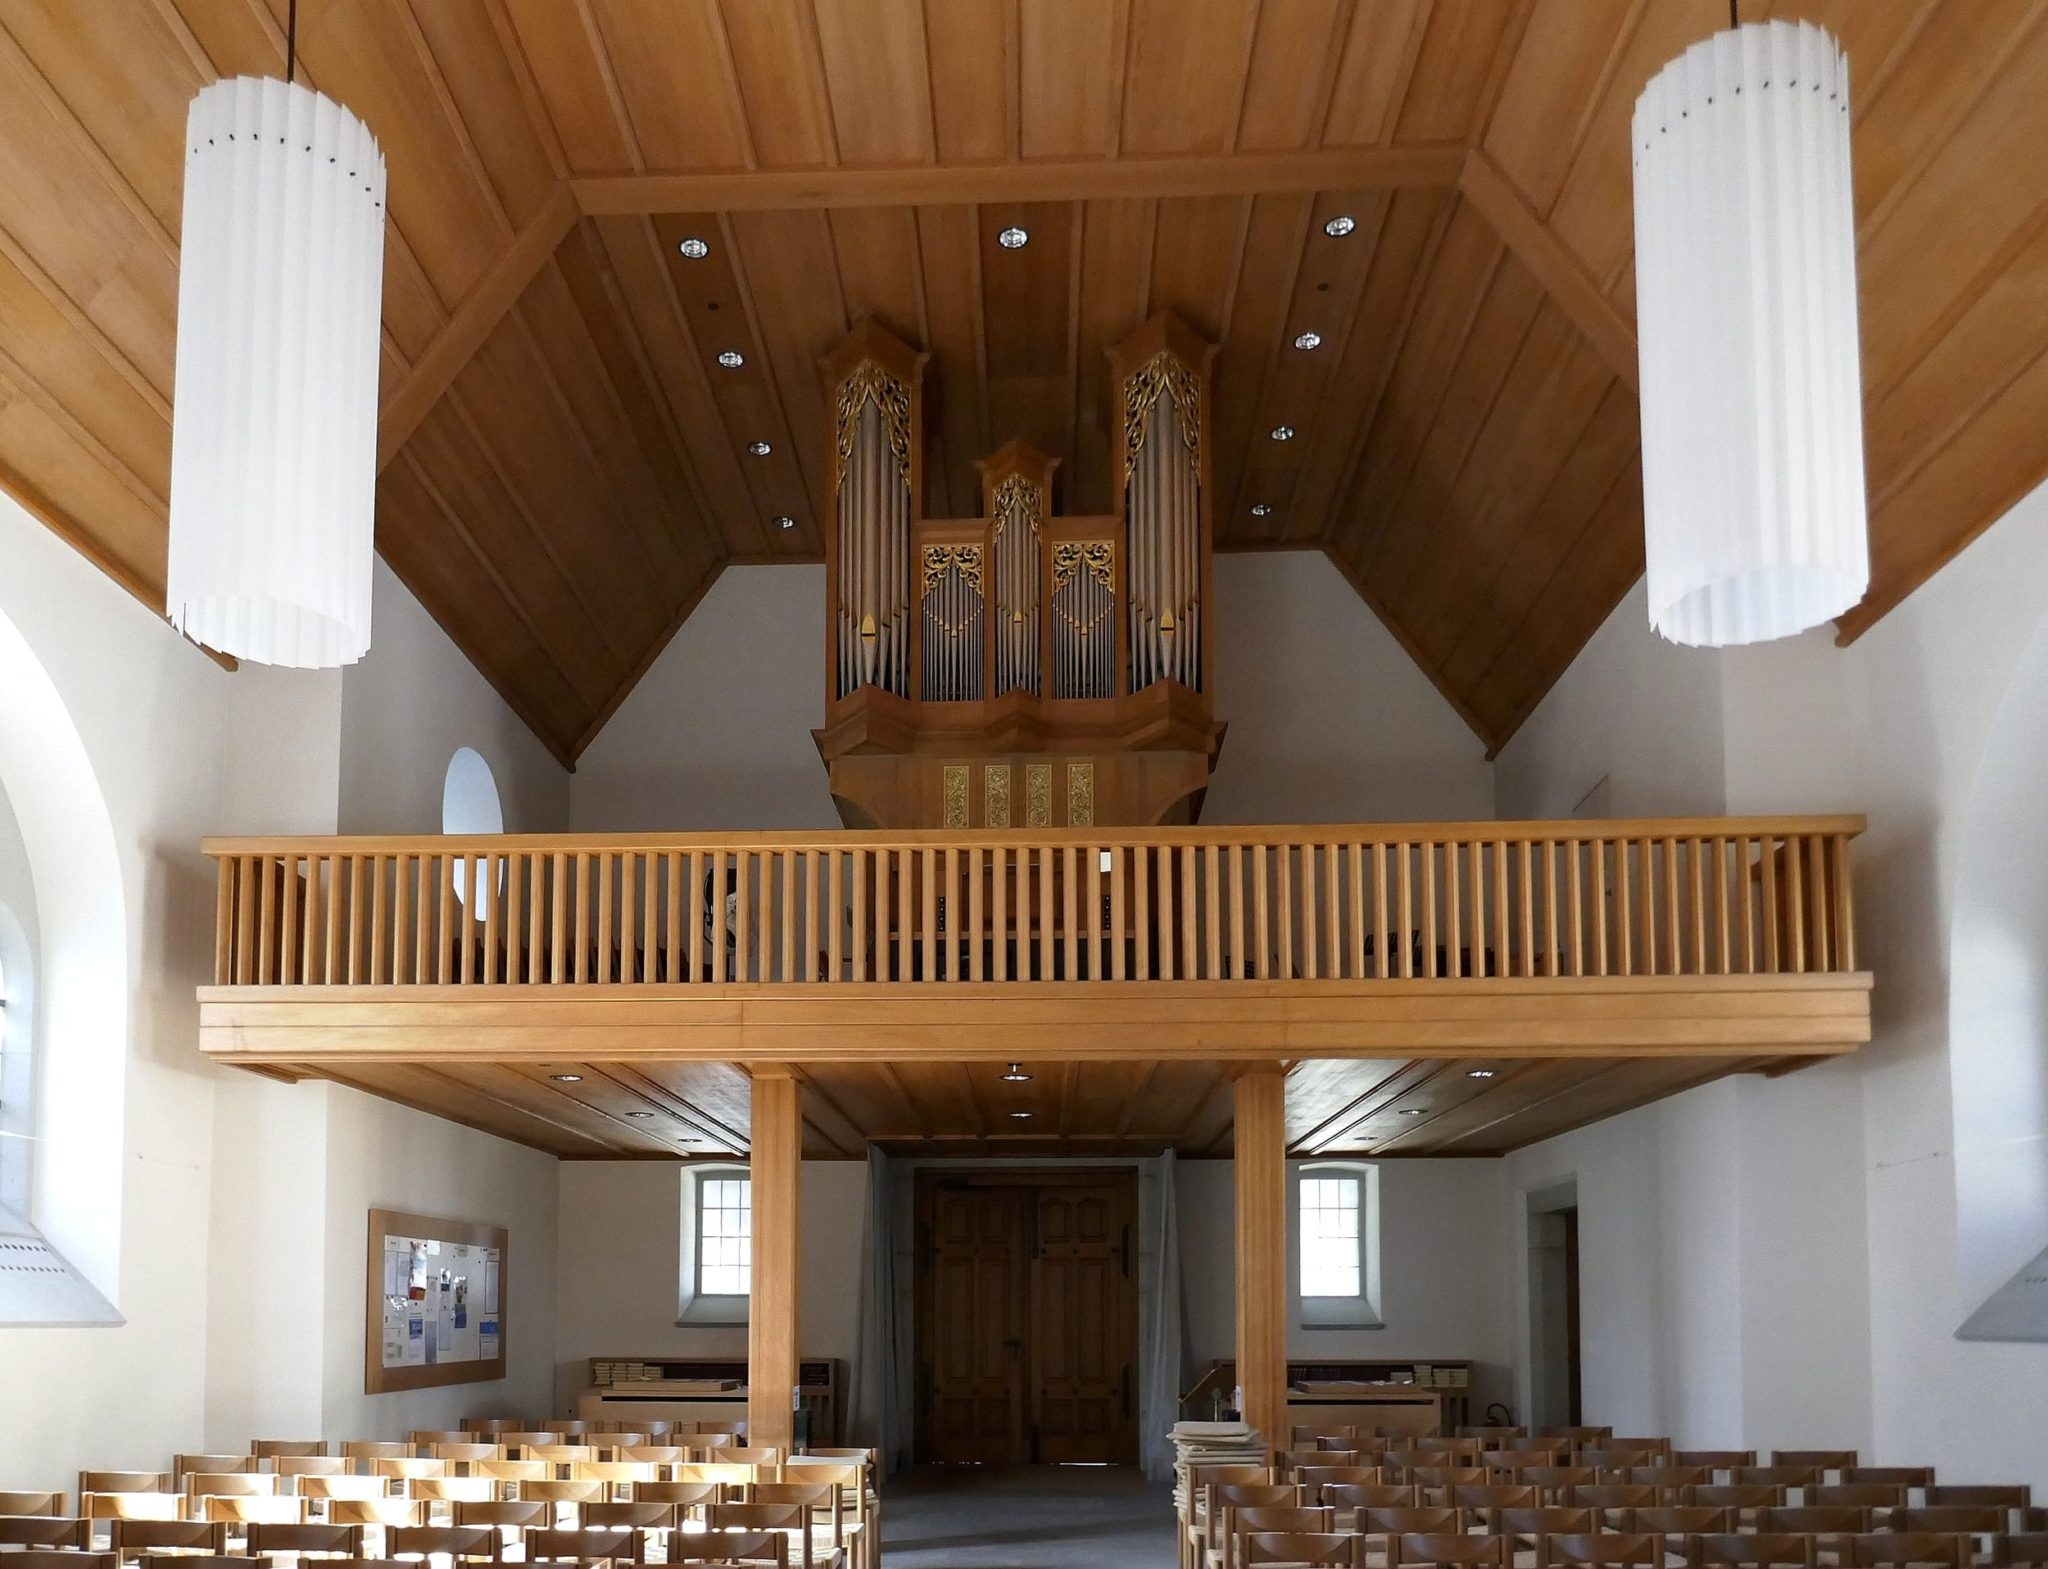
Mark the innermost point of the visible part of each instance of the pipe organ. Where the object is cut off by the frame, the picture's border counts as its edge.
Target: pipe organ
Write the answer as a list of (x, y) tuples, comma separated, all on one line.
[(963, 651)]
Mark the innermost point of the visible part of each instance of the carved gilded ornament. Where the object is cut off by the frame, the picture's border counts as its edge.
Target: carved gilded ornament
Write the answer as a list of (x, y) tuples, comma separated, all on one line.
[(941, 559), (996, 789), (1098, 556), (1038, 795), (1161, 374), (1019, 500), (955, 803), (1080, 795), (869, 383)]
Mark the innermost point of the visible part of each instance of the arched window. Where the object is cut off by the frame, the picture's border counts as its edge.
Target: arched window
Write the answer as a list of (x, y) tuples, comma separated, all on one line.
[(470, 805), (17, 1066)]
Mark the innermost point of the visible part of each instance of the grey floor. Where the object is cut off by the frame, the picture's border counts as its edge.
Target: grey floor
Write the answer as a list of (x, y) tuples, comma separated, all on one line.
[(1031, 1517)]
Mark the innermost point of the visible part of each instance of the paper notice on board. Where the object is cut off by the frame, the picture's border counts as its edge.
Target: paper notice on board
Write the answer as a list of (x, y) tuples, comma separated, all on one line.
[(394, 1336), (487, 1338), (415, 1338), (490, 1281)]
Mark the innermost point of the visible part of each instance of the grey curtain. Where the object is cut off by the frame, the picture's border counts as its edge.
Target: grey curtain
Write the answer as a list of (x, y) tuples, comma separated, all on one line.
[(879, 1387), (1164, 1354)]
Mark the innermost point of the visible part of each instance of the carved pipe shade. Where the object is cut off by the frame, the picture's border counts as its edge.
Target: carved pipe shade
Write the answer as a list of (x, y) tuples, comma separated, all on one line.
[(274, 435), (1753, 503)]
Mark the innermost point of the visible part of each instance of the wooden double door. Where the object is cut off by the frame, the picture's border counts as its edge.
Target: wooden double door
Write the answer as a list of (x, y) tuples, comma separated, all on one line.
[(1027, 1317)]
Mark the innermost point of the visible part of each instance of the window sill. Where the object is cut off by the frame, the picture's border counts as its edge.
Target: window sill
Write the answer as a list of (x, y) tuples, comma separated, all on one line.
[(1339, 1313), (700, 1312)]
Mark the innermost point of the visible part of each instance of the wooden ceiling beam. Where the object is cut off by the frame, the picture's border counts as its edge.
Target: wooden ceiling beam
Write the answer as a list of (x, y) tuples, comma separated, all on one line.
[(474, 319), (1576, 292), (1047, 180)]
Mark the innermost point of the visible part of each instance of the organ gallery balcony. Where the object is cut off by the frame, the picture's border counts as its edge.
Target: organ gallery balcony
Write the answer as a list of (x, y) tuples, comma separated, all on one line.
[(1727, 942)]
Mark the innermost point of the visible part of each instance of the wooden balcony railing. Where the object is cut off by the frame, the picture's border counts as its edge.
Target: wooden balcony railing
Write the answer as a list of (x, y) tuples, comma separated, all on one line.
[(1479, 900)]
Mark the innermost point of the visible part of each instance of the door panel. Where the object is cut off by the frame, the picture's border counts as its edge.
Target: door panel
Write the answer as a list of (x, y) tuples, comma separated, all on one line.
[(974, 1350), (1082, 1345)]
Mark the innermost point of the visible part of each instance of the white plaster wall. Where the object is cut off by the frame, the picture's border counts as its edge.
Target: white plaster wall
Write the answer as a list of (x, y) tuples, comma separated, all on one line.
[(1330, 720), (1441, 1233), (239, 1313), (1849, 1174), (406, 707), (618, 1276)]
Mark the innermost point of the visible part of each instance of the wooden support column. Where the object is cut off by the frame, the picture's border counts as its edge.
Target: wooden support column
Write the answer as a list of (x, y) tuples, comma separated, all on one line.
[(772, 1313), (1260, 1137)]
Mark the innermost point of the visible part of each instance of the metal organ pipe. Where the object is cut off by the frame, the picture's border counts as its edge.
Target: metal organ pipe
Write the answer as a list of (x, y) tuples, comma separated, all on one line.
[(873, 507), (1162, 517)]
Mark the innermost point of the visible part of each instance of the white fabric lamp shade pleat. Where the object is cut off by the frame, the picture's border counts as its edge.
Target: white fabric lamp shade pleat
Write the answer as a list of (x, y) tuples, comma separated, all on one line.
[(1753, 495), (274, 429)]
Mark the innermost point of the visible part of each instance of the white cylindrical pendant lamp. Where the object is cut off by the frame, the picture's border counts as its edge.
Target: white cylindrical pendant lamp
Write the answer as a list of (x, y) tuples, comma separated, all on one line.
[(1752, 398), (274, 430)]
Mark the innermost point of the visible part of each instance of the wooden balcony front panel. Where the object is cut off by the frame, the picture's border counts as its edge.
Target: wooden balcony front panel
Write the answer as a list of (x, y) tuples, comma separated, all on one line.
[(1701, 935)]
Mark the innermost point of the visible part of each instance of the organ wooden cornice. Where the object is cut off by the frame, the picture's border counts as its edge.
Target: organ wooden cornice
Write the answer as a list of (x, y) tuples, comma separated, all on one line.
[(564, 466)]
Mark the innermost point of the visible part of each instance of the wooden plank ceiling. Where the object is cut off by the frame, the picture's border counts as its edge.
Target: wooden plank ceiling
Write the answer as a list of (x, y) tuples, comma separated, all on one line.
[(565, 459), (599, 1110)]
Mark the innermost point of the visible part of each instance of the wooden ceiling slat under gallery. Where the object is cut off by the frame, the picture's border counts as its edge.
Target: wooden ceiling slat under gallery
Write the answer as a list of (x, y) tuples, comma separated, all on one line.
[(1334, 1107), (565, 472)]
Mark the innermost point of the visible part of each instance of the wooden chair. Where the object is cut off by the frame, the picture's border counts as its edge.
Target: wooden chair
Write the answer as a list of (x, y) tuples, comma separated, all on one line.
[(1480, 1499), (679, 1496), (1952, 1519), (1364, 1495), (1857, 1495), (1577, 1435), (1202, 1535), (1751, 1550), (1480, 1552), (129, 1495), (233, 1484), (60, 1558), (327, 1491), (1409, 1521), (408, 1468), (132, 1538), (650, 1522), (1269, 1520), (287, 1448), (1316, 1548), (653, 1454), (459, 1543), (1668, 1477), (567, 1498), (1527, 1525), (1682, 1521), (1815, 1520), (1600, 1548), (428, 1437), (1436, 1481), (510, 1518), (312, 1465), (853, 1473), (1554, 1481), (1745, 1498), (791, 1522), (832, 1523), (745, 1454), (618, 1476), (726, 1473), (1715, 1459), (1894, 1475), (513, 1471), (1907, 1547), (2020, 1550), (274, 1508), (1818, 1459), (1318, 1476), (1293, 1459), (362, 1450), (192, 1561), (583, 1542), (32, 1503), (2015, 1495), (559, 1454), (45, 1531), (1778, 1476), (1613, 1498), (1490, 1436), (305, 1540), (465, 1454), (183, 1466), (731, 1550), (1618, 1457), (388, 1512), (494, 1425), (1513, 1462)]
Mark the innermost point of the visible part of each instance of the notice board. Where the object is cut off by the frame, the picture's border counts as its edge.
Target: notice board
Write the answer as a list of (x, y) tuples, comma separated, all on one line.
[(436, 1302)]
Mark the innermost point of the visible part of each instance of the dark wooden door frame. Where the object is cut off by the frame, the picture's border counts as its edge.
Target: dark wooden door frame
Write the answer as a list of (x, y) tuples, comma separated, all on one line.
[(928, 1181)]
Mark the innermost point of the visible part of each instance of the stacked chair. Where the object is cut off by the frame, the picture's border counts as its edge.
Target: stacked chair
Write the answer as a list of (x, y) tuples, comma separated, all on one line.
[(1584, 1498), (497, 1491)]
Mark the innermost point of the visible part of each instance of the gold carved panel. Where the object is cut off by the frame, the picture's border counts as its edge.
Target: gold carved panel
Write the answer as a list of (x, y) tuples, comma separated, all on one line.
[(1080, 795), (996, 791), (1038, 795), (955, 792)]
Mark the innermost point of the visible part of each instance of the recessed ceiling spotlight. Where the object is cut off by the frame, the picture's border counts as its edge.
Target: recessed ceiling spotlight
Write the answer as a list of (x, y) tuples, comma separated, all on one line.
[(566, 1078), (1481, 1073), (1309, 340), (759, 449), (1016, 1075), (1261, 509), (1283, 432), (694, 248), (732, 359), (1340, 226), (639, 1113), (1013, 239), (1020, 1115), (1414, 1111), (785, 521)]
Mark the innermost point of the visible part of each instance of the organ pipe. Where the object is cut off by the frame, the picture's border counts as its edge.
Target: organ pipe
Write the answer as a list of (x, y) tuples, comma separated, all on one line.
[(950, 598), (873, 496), (1019, 505), (1165, 533)]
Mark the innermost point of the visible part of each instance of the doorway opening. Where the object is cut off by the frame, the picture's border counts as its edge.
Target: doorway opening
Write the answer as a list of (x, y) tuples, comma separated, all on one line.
[(1027, 1317), (1555, 1382)]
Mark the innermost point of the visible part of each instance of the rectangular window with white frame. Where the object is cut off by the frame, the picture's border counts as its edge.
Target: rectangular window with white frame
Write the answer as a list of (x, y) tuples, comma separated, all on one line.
[(725, 1236), (1337, 1245)]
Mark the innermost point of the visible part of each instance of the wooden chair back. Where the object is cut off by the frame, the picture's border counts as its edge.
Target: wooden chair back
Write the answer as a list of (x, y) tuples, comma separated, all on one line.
[(428, 1437), (1408, 1521), (1740, 1496), (1315, 1476), (582, 1542), (2016, 1495), (1554, 1480), (287, 1448), (1777, 1476), (1315, 1548), (133, 1538), (1715, 1459), (1577, 1435), (680, 1496), (319, 1538), (1492, 1436), (727, 1473), (1682, 1520), (1859, 1495), (513, 1470), (1952, 1519), (408, 1468), (1600, 1547), (1751, 1550), (637, 1516), (183, 1466), (556, 1491), (192, 1561), (1895, 1475), (1668, 1477), (276, 1508), (388, 1512), (1546, 1520), (235, 1484), (466, 1453), (653, 1454), (503, 1514), (1815, 1520), (59, 1558), (452, 1489), (1483, 1552), (2020, 1550), (128, 1503), (750, 1549), (32, 1503), (364, 1450), (1907, 1547), (344, 1487), (459, 1542), (1818, 1459), (1365, 1495), (558, 1454), (312, 1465), (45, 1531)]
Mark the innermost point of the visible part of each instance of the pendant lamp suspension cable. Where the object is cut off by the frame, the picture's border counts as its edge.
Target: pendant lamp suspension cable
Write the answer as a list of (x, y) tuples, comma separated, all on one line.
[(1734, 12), (291, 39)]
